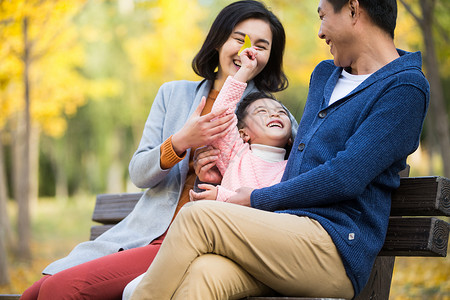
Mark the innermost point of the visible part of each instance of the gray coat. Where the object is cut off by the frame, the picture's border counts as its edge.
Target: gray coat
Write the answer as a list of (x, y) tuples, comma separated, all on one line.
[(151, 217)]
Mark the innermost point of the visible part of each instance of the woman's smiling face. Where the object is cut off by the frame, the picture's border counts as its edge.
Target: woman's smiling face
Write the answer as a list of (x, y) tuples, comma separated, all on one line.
[(261, 37)]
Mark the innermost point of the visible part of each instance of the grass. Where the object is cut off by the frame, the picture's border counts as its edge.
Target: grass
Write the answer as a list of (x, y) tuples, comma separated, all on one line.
[(58, 227), (421, 278)]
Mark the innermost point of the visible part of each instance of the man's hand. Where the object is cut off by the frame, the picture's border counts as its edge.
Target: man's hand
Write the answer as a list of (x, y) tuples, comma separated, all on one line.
[(210, 193), (205, 165), (242, 196)]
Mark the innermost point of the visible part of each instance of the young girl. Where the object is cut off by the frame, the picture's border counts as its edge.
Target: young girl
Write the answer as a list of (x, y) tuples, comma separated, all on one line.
[(178, 123), (252, 154)]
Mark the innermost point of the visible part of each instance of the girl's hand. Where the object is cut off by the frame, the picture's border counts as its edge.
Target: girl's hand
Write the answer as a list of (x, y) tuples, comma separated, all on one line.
[(210, 193), (205, 164), (248, 65), (201, 130)]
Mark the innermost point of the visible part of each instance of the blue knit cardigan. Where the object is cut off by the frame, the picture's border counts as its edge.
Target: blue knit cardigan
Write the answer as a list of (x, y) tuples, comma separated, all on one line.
[(346, 157)]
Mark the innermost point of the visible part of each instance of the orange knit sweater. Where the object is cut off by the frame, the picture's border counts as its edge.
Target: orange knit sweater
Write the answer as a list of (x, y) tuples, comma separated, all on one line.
[(169, 158)]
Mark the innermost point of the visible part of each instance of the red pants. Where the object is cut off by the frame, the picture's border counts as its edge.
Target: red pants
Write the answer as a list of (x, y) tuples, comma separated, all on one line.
[(102, 278)]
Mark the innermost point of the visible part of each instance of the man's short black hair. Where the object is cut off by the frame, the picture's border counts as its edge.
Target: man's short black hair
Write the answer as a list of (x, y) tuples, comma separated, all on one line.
[(382, 12)]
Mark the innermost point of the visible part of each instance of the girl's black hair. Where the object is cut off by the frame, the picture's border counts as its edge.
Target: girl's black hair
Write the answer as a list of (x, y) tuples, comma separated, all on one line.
[(272, 77), (241, 110)]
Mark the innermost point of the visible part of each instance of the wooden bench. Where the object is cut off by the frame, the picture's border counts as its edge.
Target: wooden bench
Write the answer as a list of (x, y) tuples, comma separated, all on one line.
[(413, 228)]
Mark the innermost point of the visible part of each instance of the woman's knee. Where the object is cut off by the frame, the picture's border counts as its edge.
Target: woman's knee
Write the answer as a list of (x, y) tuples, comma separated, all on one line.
[(32, 292), (57, 287)]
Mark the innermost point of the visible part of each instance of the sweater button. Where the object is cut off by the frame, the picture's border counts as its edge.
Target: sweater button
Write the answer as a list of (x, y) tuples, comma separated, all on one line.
[(301, 147), (322, 114)]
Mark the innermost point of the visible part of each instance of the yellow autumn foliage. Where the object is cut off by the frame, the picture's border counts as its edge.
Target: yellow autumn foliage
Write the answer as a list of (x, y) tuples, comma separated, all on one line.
[(54, 54), (165, 51)]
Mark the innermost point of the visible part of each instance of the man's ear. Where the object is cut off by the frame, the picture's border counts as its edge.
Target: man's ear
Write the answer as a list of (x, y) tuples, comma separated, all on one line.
[(354, 8), (244, 135)]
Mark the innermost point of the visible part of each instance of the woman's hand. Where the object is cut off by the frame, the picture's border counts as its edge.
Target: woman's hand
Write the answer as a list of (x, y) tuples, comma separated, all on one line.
[(201, 130), (205, 164), (210, 193)]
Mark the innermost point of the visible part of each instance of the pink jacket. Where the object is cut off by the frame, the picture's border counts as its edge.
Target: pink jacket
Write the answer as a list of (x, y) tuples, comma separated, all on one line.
[(237, 164)]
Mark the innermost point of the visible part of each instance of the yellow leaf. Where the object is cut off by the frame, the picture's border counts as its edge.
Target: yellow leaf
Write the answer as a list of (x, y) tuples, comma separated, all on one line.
[(247, 44)]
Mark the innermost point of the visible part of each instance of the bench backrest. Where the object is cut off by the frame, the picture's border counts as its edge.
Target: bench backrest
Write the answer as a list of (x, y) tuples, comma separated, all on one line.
[(409, 232)]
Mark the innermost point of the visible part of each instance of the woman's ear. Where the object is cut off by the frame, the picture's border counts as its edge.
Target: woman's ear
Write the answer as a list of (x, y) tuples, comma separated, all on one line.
[(244, 135)]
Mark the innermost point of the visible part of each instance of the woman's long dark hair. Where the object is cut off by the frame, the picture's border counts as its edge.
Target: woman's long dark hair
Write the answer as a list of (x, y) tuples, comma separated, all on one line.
[(272, 77)]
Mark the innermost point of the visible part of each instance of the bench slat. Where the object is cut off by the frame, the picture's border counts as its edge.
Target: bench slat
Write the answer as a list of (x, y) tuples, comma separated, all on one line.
[(98, 230), (422, 196), (405, 237), (416, 237), (416, 196), (113, 208)]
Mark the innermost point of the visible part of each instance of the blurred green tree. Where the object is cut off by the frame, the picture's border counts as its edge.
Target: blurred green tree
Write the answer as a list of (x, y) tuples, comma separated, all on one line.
[(432, 16), (38, 86)]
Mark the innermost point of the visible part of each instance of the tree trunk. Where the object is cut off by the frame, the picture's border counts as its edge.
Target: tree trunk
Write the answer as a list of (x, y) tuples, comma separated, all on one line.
[(23, 192), (4, 276), (115, 170), (5, 227), (437, 101), (5, 223), (34, 167), (430, 142), (61, 189), (58, 156)]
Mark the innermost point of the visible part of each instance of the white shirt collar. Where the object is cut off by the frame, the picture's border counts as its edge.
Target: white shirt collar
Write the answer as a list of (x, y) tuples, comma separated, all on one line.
[(268, 153)]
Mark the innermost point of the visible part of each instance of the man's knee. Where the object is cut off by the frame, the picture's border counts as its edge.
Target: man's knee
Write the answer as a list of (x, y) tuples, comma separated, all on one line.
[(209, 275), (211, 270), (198, 211), (213, 276)]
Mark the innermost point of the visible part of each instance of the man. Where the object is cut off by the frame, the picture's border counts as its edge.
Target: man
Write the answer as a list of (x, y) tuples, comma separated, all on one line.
[(318, 231)]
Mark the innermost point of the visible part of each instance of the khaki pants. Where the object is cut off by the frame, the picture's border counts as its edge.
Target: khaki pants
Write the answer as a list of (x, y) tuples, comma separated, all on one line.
[(217, 250)]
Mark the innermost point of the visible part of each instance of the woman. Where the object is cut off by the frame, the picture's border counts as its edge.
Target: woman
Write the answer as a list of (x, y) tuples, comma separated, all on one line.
[(318, 231), (179, 122)]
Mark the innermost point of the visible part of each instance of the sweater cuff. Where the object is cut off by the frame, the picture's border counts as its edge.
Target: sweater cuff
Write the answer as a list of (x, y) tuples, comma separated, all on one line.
[(169, 157), (224, 194), (261, 200)]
